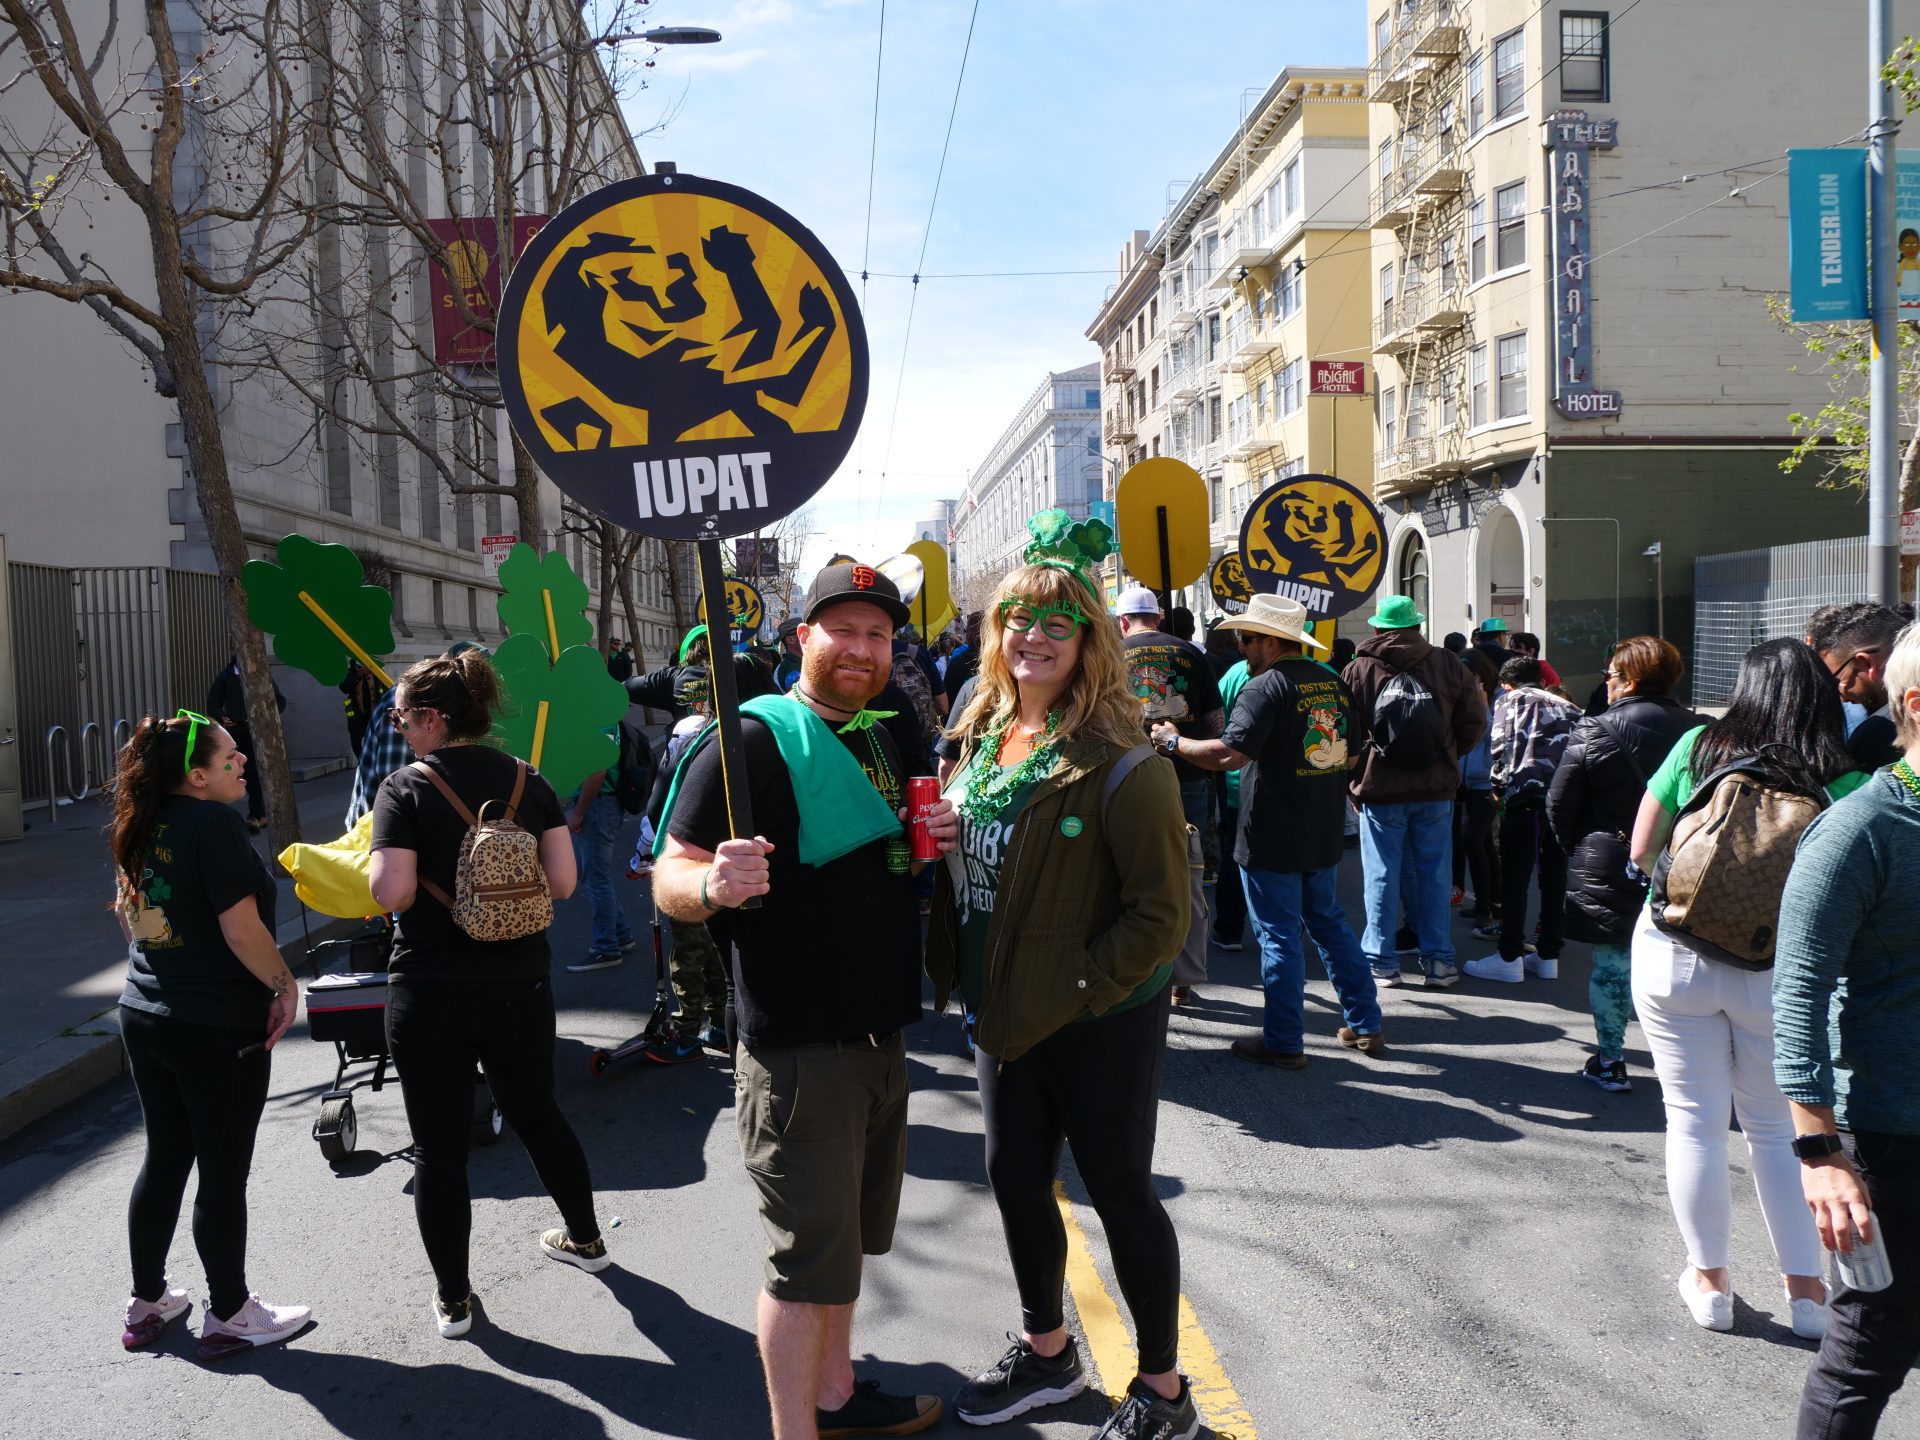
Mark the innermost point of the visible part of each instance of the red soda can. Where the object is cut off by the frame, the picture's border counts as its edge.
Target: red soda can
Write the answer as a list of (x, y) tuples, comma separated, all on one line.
[(923, 793)]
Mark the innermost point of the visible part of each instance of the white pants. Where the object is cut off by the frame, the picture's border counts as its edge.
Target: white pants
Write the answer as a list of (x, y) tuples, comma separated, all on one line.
[(1710, 1028)]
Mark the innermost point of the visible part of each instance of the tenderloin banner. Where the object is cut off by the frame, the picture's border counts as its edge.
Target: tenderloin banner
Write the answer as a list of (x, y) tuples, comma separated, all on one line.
[(682, 357)]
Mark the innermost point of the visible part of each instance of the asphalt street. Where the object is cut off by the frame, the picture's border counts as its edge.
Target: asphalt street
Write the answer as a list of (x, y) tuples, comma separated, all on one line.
[(1460, 1239)]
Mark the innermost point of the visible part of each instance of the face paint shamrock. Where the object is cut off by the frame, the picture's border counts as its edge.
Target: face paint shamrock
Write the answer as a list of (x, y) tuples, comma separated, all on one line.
[(319, 610)]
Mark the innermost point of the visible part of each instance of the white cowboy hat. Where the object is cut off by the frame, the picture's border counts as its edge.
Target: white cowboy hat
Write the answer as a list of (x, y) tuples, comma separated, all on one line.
[(1274, 615)]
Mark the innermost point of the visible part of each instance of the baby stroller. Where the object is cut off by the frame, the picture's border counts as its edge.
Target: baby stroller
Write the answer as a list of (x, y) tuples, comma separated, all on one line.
[(348, 1009)]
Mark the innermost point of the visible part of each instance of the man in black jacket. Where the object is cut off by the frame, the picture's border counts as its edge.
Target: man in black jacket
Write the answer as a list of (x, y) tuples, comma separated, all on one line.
[(227, 703), (1591, 804)]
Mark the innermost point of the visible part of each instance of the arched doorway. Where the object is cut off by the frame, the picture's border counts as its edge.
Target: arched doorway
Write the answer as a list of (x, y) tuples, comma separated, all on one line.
[(1503, 568), (1412, 576)]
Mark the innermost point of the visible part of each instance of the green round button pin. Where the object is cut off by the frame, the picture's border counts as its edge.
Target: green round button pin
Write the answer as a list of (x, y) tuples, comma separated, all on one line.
[(1071, 826)]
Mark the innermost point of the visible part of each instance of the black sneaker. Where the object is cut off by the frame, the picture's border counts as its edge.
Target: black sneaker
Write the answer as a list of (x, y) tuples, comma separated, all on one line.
[(1405, 942), (1143, 1415), (1019, 1381), (1609, 1075), (872, 1411)]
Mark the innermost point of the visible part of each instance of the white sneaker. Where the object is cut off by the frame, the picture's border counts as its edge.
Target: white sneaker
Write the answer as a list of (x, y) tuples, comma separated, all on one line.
[(1507, 972), (558, 1245), (254, 1323), (453, 1321), (1540, 967), (1710, 1309), (1809, 1318), (147, 1318)]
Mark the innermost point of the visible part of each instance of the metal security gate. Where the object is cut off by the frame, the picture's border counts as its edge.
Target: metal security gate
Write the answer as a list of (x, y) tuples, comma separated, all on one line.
[(93, 651), (1747, 596)]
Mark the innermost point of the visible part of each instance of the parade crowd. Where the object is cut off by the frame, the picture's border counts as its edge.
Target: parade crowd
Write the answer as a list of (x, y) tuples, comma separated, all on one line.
[(1114, 798)]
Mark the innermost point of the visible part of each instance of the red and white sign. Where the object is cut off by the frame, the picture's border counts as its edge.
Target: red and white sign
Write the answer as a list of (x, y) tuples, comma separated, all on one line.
[(1910, 532), (494, 550), (469, 270), (1337, 377)]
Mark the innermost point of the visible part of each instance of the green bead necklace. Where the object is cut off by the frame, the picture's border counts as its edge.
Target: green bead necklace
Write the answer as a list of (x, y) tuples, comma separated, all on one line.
[(1903, 772), (989, 787)]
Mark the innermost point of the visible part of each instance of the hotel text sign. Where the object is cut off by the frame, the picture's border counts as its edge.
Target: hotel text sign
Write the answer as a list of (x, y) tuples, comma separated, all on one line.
[(1571, 137)]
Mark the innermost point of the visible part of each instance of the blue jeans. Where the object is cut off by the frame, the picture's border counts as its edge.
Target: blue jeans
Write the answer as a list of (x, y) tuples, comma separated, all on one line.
[(1417, 836), (593, 853), (1279, 904)]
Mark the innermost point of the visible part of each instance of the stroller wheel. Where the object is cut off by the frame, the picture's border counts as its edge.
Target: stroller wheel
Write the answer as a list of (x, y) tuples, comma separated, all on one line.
[(336, 1129), (597, 1062), (487, 1120)]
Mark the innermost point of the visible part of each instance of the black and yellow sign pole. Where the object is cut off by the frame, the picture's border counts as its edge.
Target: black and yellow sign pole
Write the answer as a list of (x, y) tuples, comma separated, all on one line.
[(1165, 587), (726, 698)]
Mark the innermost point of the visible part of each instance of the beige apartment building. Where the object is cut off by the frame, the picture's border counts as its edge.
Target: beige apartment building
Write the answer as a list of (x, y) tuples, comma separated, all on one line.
[(1577, 215), (1207, 339)]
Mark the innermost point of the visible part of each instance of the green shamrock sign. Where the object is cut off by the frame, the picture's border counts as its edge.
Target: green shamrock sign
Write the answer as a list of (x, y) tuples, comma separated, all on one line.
[(319, 610), (544, 599), (556, 717)]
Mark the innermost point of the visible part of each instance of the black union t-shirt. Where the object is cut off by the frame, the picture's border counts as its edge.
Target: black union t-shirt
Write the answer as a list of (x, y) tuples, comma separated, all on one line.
[(410, 813), (833, 952), (199, 865), (1294, 722), (1172, 678)]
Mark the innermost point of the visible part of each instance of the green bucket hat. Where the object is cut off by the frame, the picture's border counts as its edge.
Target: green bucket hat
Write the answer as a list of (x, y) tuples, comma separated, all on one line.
[(1493, 625), (1395, 612)]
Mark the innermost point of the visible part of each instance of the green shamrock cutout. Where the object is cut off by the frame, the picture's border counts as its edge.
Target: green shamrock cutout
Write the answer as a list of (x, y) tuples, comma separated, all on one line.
[(1061, 540), (319, 610), (531, 581), (569, 741)]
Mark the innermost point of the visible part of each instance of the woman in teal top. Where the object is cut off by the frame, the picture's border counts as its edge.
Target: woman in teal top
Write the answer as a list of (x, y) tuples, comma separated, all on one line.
[(1058, 919), (1709, 1024)]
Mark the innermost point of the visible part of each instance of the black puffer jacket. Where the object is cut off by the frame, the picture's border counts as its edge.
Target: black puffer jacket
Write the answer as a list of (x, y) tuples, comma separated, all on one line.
[(1595, 795)]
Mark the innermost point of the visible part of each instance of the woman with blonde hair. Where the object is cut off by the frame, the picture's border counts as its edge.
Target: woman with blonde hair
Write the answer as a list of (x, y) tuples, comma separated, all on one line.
[(1057, 919)]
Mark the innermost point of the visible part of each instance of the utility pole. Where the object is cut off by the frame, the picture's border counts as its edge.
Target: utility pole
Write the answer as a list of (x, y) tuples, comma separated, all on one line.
[(1883, 437)]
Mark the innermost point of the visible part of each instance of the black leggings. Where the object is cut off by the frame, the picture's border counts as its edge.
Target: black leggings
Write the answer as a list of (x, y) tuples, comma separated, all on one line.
[(1096, 1085), (437, 1031), (1473, 854), (201, 1103)]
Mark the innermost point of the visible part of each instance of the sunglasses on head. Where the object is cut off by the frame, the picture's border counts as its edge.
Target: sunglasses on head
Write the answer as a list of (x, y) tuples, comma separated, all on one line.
[(194, 721), (1056, 622)]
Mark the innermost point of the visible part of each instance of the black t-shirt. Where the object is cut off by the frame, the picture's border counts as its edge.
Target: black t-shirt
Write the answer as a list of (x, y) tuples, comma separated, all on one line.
[(199, 865), (1293, 721), (833, 952), (962, 665), (1173, 680), (1873, 744), (410, 813), (944, 746)]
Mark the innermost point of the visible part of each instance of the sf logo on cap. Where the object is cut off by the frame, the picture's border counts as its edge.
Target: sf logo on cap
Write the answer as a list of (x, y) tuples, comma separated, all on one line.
[(862, 577)]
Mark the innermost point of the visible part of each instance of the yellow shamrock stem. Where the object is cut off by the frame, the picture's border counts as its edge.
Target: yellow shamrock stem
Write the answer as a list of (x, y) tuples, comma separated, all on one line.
[(553, 635), (346, 640), (539, 734)]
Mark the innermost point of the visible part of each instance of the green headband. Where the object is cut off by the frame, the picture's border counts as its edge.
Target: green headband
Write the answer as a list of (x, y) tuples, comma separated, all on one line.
[(695, 635), (1063, 543)]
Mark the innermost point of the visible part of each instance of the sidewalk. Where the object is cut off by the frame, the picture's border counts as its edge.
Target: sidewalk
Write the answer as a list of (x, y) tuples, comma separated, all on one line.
[(62, 958)]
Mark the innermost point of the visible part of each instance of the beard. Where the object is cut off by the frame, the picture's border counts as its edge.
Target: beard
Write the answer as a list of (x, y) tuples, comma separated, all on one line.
[(841, 691)]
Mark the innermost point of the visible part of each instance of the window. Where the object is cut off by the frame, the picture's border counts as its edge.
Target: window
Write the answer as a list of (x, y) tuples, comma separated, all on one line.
[(1213, 418), (1477, 240), (1510, 215), (1093, 400), (1382, 34), (1449, 399), (1513, 374), (1583, 57), (1210, 248), (1292, 468), (1476, 94), (1154, 402), (1292, 280), (1417, 410), (1387, 430), (1289, 393), (1213, 336), (1477, 386), (1260, 403), (1413, 580), (1386, 160), (1386, 298), (1509, 73), (1153, 316), (1290, 188)]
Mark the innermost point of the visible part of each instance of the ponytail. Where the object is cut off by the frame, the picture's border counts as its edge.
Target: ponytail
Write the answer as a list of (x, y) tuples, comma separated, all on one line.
[(150, 767)]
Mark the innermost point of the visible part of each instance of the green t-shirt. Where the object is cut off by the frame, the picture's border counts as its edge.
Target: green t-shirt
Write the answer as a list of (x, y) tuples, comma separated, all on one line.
[(1231, 685), (981, 856), (1672, 784)]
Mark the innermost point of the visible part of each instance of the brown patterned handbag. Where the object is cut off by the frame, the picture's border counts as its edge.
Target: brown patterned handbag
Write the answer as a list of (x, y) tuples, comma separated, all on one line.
[(499, 890)]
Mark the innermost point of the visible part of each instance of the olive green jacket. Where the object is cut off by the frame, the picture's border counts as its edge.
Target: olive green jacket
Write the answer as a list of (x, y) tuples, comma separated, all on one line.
[(1089, 905)]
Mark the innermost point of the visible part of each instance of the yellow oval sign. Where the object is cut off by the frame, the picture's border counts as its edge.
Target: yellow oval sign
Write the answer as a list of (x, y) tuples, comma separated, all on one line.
[(933, 606), (682, 357), (746, 611), (1156, 492), (1315, 539)]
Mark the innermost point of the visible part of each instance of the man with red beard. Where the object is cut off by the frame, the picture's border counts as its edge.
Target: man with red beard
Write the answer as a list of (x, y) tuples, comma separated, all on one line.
[(826, 976)]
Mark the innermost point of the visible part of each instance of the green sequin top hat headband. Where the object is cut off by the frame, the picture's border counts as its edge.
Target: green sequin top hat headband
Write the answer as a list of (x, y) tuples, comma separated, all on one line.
[(1068, 544)]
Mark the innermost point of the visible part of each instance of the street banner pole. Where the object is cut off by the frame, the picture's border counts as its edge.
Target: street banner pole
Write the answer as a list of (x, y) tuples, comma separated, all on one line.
[(726, 702), (1165, 586), (1883, 438)]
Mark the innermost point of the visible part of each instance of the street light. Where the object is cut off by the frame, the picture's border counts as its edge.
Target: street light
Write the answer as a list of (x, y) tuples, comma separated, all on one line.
[(1652, 552)]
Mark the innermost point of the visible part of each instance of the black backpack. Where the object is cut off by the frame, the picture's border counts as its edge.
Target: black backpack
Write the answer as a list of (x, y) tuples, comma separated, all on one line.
[(1409, 731), (634, 781)]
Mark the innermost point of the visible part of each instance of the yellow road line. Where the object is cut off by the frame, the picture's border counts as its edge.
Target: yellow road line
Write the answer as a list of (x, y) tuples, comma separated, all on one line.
[(1113, 1354)]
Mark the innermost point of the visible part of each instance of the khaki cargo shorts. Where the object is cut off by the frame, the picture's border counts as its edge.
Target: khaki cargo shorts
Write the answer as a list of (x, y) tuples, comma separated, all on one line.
[(823, 1131)]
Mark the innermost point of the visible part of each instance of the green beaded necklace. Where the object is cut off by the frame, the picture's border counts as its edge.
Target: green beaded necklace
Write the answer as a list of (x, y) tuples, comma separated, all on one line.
[(989, 787), (1903, 772)]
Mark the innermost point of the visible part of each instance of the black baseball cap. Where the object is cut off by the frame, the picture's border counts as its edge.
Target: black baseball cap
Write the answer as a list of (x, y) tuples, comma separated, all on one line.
[(855, 582)]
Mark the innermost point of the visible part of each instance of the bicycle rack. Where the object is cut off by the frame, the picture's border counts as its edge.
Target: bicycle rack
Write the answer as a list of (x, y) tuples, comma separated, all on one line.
[(53, 787), (93, 742)]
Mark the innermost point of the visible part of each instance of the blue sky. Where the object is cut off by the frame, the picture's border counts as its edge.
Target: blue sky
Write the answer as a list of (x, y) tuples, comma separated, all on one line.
[(1078, 122)]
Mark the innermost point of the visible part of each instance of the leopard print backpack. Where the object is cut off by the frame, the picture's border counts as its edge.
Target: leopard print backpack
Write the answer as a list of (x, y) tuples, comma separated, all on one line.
[(499, 890)]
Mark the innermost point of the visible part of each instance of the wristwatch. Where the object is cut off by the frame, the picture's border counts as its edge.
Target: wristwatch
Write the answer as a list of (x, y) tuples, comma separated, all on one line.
[(1172, 747), (1817, 1146)]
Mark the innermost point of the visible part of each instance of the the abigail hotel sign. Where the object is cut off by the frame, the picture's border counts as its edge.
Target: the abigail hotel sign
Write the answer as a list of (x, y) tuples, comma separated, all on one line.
[(682, 357)]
